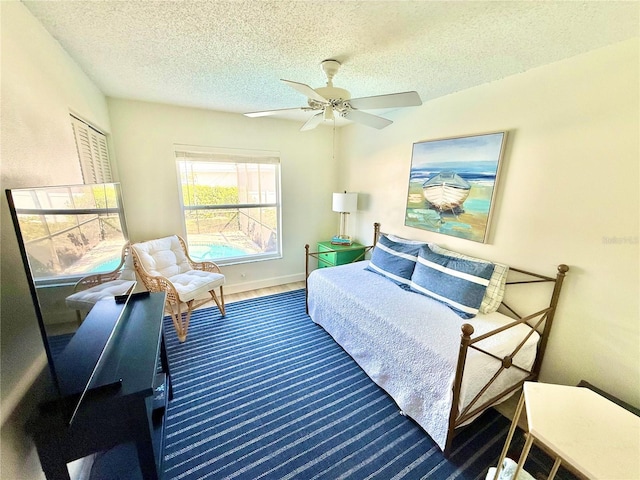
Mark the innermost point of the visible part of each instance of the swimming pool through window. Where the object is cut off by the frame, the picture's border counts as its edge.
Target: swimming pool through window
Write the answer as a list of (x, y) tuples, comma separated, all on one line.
[(199, 253), (231, 203)]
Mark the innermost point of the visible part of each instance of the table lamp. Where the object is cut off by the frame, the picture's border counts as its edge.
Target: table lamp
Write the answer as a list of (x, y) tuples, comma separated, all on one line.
[(344, 203)]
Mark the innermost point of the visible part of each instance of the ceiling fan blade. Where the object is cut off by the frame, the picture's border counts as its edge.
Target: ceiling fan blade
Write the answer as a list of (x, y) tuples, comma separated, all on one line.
[(392, 100), (367, 119), (306, 90), (274, 112), (313, 122)]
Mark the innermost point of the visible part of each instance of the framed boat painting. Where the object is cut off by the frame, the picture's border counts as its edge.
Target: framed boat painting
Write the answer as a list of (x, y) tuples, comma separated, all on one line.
[(452, 184)]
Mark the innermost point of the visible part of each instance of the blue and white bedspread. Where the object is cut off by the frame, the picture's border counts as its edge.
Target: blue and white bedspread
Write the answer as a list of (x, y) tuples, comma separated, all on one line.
[(408, 344)]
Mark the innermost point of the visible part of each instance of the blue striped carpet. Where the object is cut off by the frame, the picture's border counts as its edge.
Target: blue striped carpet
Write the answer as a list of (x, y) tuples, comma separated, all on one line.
[(266, 394)]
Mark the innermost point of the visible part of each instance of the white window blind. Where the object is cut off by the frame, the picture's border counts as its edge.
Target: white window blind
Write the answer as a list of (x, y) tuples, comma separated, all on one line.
[(92, 152)]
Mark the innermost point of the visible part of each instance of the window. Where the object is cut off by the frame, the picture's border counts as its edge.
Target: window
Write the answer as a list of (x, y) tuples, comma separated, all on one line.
[(92, 152), (70, 231), (231, 204)]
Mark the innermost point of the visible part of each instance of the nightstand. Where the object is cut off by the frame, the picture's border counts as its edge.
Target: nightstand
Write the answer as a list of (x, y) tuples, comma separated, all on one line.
[(330, 255)]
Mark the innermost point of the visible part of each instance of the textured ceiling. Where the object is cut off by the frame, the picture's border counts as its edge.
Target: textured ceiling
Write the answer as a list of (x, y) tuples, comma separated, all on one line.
[(230, 55)]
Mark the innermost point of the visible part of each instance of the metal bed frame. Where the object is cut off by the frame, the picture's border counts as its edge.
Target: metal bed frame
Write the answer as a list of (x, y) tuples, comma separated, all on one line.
[(540, 321)]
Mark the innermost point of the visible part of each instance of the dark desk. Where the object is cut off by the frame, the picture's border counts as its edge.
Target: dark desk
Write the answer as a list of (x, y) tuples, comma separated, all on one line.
[(124, 401)]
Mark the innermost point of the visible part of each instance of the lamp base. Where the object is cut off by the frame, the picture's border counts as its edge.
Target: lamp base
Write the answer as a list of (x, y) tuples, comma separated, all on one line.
[(341, 240)]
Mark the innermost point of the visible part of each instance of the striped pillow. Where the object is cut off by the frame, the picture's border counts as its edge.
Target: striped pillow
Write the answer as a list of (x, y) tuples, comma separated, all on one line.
[(458, 283), (497, 283), (394, 260)]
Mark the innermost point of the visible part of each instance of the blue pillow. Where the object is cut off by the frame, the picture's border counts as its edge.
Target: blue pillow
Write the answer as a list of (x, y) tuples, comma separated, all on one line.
[(394, 260), (458, 283)]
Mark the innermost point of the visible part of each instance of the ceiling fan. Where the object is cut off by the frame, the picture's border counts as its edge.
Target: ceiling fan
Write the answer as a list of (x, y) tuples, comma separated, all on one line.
[(330, 101)]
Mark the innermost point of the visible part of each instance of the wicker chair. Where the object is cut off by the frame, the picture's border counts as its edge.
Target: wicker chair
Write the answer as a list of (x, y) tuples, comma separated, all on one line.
[(91, 289), (164, 265)]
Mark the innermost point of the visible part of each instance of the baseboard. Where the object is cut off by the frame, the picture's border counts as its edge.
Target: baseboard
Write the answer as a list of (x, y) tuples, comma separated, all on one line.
[(265, 283)]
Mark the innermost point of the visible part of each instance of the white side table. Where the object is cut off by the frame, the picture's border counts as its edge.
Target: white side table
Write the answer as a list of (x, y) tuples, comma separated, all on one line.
[(598, 438)]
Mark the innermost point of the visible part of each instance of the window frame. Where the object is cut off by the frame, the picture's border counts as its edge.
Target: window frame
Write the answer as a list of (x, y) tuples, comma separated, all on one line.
[(216, 155)]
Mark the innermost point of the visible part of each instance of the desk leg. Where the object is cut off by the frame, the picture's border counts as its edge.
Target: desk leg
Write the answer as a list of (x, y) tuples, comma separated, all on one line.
[(512, 429), (141, 425), (554, 469), (147, 460), (55, 470), (524, 454), (52, 456)]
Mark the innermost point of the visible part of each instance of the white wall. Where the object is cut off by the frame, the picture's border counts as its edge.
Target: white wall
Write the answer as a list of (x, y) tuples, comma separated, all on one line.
[(40, 86), (568, 184), (144, 136)]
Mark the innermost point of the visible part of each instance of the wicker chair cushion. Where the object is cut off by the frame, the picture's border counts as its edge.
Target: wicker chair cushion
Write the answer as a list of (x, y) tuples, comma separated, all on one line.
[(84, 300), (195, 284), (163, 256)]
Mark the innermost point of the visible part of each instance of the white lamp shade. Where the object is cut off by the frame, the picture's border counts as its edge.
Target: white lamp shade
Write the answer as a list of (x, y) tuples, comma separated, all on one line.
[(345, 202)]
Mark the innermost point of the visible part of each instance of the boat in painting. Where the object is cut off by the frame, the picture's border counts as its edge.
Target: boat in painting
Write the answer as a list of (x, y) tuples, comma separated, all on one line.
[(446, 191)]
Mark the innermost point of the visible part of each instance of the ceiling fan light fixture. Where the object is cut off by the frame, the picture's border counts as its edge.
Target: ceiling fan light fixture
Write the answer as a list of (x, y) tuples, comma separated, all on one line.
[(333, 93), (328, 112), (330, 101)]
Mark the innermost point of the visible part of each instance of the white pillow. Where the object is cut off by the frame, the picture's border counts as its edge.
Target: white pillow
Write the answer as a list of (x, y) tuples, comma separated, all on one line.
[(495, 290), (397, 239)]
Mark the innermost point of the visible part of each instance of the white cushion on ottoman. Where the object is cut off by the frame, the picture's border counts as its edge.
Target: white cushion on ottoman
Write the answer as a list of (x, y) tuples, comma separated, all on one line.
[(196, 283), (84, 300)]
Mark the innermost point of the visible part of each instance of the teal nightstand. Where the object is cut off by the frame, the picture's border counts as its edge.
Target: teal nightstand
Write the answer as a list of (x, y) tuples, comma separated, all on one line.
[(331, 255)]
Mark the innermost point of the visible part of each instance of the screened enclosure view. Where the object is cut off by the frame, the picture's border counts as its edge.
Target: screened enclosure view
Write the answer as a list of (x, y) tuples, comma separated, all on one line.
[(231, 206), (70, 231)]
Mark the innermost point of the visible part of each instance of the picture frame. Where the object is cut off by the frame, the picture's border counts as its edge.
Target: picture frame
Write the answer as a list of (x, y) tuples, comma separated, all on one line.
[(453, 183)]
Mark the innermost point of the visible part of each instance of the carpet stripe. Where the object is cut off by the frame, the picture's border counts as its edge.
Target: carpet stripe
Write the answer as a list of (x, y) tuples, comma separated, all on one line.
[(336, 448), (214, 340), (346, 473), (284, 451), (252, 417), (290, 432), (221, 347), (264, 393), (209, 373), (249, 382), (252, 390)]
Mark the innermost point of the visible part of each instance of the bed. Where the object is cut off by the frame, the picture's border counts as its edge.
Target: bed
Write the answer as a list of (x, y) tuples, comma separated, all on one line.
[(442, 365)]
